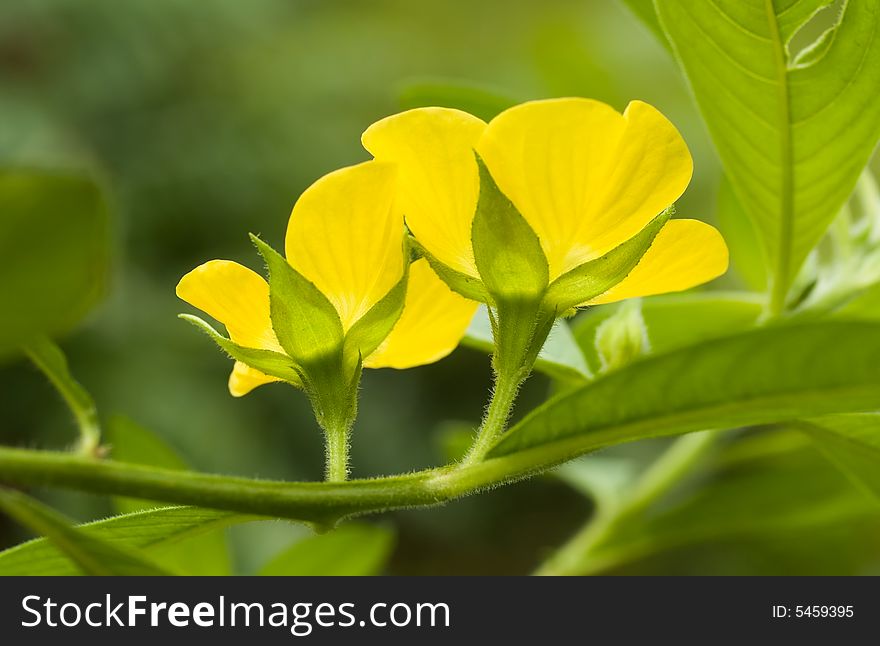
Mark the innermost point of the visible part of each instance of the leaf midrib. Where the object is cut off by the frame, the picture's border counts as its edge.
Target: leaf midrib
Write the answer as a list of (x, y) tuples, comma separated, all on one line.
[(783, 260), (743, 410)]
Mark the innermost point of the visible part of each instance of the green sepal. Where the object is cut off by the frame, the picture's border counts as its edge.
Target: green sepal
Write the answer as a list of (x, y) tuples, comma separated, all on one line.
[(507, 251), (268, 362), (372, 328), (595, 277), (462, 284), (305, 321)]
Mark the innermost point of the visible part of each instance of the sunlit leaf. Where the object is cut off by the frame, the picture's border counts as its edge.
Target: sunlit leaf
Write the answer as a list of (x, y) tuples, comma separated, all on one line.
[(794, 130), (746, 253), (762, 376)]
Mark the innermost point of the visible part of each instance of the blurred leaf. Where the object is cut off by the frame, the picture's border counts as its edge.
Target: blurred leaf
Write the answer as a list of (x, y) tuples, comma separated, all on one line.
[(767, 484), (478, 100), (852, 442), (93, 555), (793, 130), (130, 442), (453, 438), (762, 376), (644, 11), (53, 253), (676, 320), (149, 531), (560, 357), (746, 252), (355, 549), (599, 477)]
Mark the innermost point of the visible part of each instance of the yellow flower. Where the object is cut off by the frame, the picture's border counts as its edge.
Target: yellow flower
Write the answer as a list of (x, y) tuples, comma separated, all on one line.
[(585, 177), (345, 236)]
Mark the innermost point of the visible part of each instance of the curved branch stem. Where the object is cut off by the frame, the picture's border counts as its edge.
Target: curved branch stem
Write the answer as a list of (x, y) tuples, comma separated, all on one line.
[(320, 502)]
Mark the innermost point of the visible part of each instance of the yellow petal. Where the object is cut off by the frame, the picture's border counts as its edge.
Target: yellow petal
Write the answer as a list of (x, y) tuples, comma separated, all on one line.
[(346, 236), (234, 295), (438, 177), (244, 379), (684, 254), (433, 321), (239, 299), (585, 177)]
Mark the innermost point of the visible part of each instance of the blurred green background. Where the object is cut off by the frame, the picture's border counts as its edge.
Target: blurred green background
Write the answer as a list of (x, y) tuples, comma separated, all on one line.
[(206, 120)]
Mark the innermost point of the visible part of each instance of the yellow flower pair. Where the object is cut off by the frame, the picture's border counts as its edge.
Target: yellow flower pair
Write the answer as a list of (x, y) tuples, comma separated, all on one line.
[(585, 178)]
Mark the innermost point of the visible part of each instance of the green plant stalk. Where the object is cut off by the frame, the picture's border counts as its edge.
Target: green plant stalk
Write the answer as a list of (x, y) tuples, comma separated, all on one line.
[(520, 330), (337, 443), (495, 420), (579, 555), (319, 502), (334, 402), (49, 358)]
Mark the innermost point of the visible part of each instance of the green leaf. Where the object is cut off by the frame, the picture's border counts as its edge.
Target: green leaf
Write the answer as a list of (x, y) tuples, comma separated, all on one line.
[(507, 251), (762, 376), (355, 549), (595, 277), (130, 442), (54, 248), (852, 442), (769, 485), (460, 283), (478, 100), (93, 555), (272, 363), (560, 357), (676, 320), (306, 323), (372, 328), (746, 252), (793, 133), (152, 532)]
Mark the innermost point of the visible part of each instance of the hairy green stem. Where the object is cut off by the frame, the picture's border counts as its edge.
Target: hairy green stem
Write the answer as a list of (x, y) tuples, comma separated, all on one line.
[(495, 420), (49, 358), (579, 555), (337, 444), (320, 502), (520, 330)]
